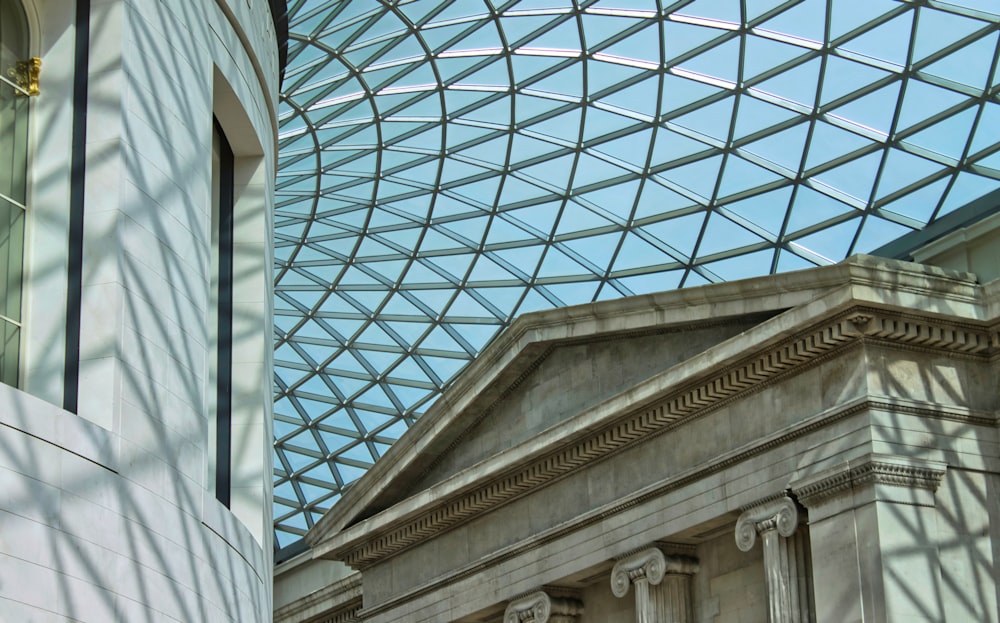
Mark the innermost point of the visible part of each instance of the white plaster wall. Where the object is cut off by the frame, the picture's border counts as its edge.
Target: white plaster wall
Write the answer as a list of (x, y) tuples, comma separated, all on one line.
[(108, 515)]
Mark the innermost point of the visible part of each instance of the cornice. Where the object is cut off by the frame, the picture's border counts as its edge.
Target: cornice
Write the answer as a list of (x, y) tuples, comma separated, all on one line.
[(872, 470), (365, 545), (342, 597)]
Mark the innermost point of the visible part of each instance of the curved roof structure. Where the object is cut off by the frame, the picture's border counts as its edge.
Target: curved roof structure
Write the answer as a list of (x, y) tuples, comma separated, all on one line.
[(448, 165)]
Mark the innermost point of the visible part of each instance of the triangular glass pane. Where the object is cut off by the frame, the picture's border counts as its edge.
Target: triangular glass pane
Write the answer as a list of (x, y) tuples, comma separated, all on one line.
[(923, 100), (643, 45), (756, 8), (540, 218), (811, 208), (568, 81), (721, 234), (655, 199), (679, 38), (712, 120), (833, 243), (877, 232), (855, 177), (843, 77), (970, 64), (631, 148), (518, 28), (527, 66), (591, 170), (598, 250), (565, 36), (504, 299), (637, 253), (830, 142), (986, 136), (574, 293), (740, 175), (920, 204), (533, 301), (521, 260), (671, 146), (576, 218), (714, 9), (755, 115), (873, 111), (641, 97), (558, 264), (764, 54), (887, 42), (805, 20), (486, 270), (699, 177), (788, 261), (598, 123), (554, 171), (565, 126), (846, 17), (967, 187), (743, 266), (902, 169), (680, 233), (653, 282), (721, 61), (939, 29), (679, 92), (598, 28), (438, 339), (784, 148), (766, 210)]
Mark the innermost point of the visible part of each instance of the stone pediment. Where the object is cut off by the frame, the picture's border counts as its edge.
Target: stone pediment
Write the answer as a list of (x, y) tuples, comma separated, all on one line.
[(465, 456)]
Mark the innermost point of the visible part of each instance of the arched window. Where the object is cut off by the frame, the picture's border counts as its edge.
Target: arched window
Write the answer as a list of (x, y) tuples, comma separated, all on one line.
[(13, 172)]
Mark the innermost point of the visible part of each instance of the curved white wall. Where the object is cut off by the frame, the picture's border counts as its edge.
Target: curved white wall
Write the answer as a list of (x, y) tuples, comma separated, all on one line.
[(109, 514)]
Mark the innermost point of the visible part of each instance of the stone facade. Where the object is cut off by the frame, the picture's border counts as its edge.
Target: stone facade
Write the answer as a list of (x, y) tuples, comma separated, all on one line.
[(822, 448), (108, 509)]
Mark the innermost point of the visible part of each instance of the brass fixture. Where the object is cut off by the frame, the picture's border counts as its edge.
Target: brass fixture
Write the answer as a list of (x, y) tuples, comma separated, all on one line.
[(25, 75)]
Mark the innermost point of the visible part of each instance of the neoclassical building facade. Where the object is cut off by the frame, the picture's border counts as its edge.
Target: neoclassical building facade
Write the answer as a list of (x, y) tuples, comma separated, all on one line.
[(813, 446)]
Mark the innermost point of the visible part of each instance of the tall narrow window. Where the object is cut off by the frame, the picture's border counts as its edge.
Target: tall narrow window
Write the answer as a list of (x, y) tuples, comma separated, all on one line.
[(13, 172), (222, 301)]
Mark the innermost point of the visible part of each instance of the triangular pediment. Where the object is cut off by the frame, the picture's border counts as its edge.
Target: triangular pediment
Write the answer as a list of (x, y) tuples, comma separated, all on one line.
[(552, 365)]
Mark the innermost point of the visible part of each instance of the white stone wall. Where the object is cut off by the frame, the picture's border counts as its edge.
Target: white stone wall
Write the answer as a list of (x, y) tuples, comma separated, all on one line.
[(109, 515)]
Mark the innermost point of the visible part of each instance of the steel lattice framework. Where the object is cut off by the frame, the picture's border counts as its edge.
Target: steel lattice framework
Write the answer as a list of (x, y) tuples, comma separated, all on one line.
[(446, 165)]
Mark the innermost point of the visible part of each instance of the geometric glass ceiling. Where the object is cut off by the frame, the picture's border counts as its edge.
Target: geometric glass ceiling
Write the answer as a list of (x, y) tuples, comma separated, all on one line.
[(447, 165)]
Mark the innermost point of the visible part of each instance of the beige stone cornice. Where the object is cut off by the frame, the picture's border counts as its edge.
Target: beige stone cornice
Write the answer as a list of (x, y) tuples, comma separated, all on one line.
[(456, 501), (341, 599), (873, 469)]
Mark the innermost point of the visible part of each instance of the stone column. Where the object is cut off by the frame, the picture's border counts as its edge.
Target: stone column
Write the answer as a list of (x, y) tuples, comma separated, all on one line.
[(872, 524), (776, 520), (662, 585), (540, 607)]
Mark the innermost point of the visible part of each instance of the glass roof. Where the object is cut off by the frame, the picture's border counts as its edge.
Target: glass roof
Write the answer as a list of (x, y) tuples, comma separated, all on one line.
[(447, 165)]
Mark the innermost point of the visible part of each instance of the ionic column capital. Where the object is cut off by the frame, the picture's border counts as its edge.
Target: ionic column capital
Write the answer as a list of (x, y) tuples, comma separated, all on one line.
[(779, 514), (651, 565), (540, 607)]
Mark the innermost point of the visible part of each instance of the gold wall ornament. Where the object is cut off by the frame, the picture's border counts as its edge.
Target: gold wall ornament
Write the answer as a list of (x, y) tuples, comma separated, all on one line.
[(25, 75)]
